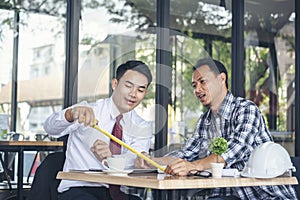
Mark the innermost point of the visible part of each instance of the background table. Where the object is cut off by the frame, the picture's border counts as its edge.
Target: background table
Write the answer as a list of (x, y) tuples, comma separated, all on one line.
[(20, 147)]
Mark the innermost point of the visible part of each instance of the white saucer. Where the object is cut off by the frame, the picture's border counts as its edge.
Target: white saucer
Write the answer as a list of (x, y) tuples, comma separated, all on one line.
[(117, 172)]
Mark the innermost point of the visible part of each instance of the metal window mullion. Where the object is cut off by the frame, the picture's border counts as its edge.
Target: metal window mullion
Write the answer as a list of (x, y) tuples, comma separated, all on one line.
[(297, 78), (238, 51), (71, 64), (163, 75), (14, 81)]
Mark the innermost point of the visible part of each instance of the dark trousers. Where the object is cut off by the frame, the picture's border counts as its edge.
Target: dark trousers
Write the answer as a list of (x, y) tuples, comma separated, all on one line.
[(44, 185), (89, 193)]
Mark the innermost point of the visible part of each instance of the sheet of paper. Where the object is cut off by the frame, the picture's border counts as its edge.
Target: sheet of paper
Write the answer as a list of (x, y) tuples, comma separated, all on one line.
[(89, 135), (230, 172)]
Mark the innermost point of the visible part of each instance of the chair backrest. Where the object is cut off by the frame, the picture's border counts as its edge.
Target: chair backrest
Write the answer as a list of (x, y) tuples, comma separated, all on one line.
[(41, 136), (15, 136), (296, 162), (8, 167)]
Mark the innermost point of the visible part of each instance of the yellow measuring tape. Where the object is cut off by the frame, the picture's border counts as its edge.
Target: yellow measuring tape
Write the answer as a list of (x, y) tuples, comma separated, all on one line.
[(129, 148)]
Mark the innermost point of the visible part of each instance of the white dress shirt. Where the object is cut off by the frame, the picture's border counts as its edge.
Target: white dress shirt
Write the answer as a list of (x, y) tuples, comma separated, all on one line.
[(137, 133)]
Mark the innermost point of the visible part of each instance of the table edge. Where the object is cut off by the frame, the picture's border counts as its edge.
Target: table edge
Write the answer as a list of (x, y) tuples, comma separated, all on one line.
[(167, 184)]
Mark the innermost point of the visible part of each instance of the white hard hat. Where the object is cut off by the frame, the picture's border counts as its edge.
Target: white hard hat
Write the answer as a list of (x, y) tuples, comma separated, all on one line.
[(268, 160)]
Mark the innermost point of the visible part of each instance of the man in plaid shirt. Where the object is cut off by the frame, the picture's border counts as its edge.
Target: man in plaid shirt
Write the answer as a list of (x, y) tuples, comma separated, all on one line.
[(236, 119)]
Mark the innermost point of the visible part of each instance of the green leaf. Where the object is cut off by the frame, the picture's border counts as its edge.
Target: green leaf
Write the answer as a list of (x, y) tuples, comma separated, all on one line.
[(218, 145)]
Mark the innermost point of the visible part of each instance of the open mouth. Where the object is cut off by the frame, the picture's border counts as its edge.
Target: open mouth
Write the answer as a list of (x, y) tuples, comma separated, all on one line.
[(130, 102), (201, 96)]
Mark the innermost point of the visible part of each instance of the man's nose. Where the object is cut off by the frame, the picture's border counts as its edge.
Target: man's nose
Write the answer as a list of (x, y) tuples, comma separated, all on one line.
[(133, 92), (198, 88)]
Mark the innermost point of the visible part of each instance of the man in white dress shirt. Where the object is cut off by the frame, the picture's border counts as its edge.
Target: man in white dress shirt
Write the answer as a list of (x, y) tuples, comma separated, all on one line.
[(86, 147)]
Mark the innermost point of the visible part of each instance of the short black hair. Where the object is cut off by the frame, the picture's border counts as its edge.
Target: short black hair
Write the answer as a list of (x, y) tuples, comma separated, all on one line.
[(214, 65), (134, 65)]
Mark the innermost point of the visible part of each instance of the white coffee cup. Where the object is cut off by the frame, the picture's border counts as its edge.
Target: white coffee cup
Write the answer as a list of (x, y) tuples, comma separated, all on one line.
[(217, 169), (114, 163)]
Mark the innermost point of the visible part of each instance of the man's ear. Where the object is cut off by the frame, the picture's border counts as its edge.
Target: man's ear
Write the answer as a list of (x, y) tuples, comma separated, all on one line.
[(114, 83), (223, 77)]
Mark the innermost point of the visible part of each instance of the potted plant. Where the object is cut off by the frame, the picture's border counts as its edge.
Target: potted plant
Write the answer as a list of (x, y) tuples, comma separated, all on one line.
[(218, 146)]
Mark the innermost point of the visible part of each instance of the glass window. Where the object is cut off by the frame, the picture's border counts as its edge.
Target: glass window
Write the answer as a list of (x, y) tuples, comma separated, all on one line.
[(270, 65), (112, 32), (207, 31), (41, 44), (6, 41)]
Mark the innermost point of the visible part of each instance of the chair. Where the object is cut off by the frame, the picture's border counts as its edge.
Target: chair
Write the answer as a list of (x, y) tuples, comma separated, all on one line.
[(5, 174), (11, 156), (8, 161), (296, 162), (38, 137), (44, 185)]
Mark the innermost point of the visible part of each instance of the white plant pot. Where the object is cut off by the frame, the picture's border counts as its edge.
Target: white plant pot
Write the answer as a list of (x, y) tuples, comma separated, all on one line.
[(216, 169)]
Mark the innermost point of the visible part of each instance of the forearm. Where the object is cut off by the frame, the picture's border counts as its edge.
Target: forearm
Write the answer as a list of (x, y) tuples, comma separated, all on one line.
[(201, 164), (204, 163), (56, 123), (164, 160), (141, 163)]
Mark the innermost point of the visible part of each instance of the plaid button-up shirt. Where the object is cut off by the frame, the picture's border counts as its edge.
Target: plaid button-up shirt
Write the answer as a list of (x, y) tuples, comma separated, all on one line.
[(243, 126)]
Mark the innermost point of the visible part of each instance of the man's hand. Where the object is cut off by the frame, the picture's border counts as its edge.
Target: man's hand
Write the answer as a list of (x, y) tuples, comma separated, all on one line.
[(83, 114), (180, 167), (101, 150), (141, 163)]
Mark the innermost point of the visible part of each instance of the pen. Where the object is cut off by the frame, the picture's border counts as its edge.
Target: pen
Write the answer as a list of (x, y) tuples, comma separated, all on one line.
[(95, 170)]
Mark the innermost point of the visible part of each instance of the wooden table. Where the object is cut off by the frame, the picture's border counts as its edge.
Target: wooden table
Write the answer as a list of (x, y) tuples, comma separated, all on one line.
[(165, 182), (20, 147)]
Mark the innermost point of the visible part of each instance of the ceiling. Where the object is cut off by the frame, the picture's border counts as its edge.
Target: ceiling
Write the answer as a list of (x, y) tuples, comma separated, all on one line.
[(264, 17)]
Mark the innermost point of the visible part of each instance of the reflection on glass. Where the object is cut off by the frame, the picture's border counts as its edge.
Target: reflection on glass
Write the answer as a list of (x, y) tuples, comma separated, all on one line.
[(40, 61), (104, 44), (6, 38), (270, 68)]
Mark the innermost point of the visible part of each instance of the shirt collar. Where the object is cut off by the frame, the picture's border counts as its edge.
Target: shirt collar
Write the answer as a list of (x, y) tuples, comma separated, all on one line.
[(226, 107), (114, 112)]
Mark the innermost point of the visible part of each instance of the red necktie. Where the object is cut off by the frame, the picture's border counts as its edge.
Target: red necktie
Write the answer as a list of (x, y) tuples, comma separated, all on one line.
[(115, 149)]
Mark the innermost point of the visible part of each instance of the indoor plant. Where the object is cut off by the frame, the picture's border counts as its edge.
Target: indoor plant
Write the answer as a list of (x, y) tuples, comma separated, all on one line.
[(218, 145)]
